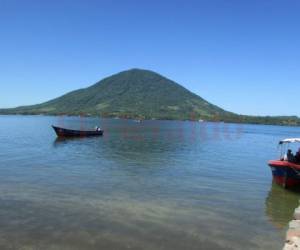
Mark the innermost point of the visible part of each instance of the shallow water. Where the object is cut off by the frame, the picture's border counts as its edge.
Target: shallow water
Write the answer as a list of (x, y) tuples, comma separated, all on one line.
[(150, 185)]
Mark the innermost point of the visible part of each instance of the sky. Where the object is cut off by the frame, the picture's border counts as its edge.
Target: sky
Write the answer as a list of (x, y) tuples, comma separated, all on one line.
[(242, 55)]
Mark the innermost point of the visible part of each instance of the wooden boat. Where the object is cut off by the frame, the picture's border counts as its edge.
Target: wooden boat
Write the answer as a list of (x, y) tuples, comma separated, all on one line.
[(63, 132), (286, 173)]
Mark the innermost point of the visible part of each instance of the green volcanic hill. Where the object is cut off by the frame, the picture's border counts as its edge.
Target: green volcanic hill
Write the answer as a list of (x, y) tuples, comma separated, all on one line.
[(140, 94), (133, 93)]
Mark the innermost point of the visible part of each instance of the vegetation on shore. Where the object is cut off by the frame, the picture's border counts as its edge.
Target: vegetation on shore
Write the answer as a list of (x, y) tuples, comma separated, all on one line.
[(141, 94)]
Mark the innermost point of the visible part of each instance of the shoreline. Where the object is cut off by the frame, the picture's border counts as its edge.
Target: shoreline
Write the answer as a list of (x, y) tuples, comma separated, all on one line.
[(153, 119), (292, 240)]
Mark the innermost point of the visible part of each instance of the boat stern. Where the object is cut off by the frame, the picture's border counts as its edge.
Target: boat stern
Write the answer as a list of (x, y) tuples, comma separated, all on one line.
[(284, 173)]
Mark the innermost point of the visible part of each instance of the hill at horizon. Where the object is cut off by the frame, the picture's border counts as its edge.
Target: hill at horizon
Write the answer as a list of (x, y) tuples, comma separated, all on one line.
[(141, 94)]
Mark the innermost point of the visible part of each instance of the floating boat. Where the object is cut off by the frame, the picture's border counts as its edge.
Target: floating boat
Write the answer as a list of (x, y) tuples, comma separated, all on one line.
[(286, 173), (63, 132)]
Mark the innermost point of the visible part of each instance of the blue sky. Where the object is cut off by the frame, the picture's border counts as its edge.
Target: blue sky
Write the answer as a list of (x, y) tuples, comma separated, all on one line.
[(241, 55)]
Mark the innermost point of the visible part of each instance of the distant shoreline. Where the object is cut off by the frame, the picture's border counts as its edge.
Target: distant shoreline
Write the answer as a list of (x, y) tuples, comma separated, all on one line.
[(164, 119)]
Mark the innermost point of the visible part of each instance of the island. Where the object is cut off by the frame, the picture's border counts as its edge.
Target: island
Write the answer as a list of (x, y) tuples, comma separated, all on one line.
[(142, 94)]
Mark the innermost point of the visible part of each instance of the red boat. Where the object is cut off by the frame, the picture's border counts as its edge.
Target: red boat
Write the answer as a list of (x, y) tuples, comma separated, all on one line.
[(286, 173)]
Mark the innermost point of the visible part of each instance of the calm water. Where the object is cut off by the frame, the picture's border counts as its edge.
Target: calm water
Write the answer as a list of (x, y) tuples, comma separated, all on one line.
[(151, 185)]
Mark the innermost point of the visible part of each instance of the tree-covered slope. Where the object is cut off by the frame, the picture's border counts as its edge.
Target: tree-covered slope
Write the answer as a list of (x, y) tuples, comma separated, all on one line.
[(133, 93), (141, 94)]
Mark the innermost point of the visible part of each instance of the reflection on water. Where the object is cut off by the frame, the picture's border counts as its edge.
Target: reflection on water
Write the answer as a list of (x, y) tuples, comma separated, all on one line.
[(280, 205), (151, 185), (64, 140)]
